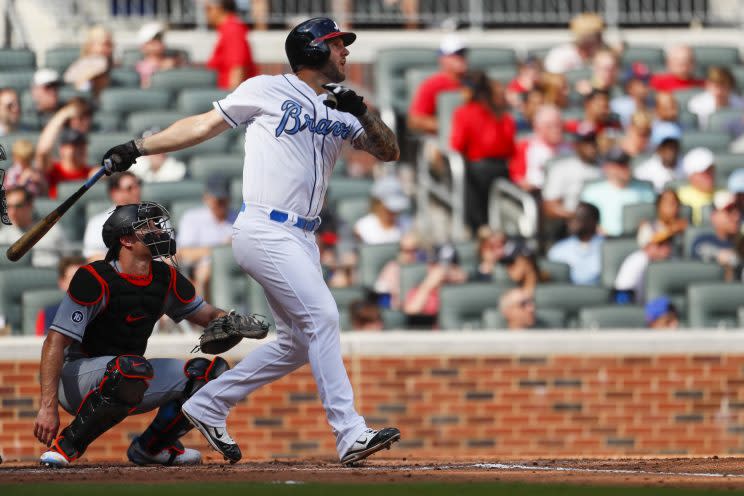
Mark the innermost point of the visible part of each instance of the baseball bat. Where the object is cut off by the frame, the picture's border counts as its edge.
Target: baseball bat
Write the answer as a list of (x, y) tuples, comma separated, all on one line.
[(38, 230)]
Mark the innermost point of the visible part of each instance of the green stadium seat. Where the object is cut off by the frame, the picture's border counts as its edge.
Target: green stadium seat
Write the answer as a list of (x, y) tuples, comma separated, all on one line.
[(227, 164), (167, 192), (545, 318), (539, 53), (7, 264), (726, 163), (124, 78), (61, 57), (614, 252), (738, 72), (721, 119), (468, 253), (95, 207), (688, 120), (683, 97), (502, 74), (708, 55), (372, 258), (410, 277), (347, 187), (714, 304), (73, 222), (351, 210), (671, 278), (740, 316), (12, 59), (447, 103), (575, 75), (462, 305), (218, 144), (197, 101), (570, 298), (100, 143), (127, 100), (137, 122), (34, 300), (11, 138), (179, 207), (13, 282), (390, 68), (689, 236), (105, 122), (649, 55), (717, 142), (484, 58), (182, 78), (554, 271), (344, 298), (636, 213), (19, 80), (393, 320), (612, 317), (130, 57)]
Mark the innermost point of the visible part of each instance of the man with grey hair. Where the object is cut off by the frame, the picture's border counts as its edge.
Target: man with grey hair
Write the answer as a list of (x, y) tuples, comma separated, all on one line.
[(680, 75)]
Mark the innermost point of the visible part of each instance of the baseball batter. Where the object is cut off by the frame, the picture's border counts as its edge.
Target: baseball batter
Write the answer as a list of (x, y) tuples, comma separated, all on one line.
[(294, 133)]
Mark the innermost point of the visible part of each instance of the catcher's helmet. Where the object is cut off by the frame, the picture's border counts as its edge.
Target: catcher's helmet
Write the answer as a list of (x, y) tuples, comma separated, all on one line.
[(306, 43), (148, 220)]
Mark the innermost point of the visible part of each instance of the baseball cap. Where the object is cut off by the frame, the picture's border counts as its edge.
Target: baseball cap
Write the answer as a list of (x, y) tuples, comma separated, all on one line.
[(658, 307), (70, 136), (46, 77), (149, 31), (390, 192), (723, 200), (586, 24), (697, 160), (736, 181), (617, 156), (452, 45), (218, 186), (665, 131)]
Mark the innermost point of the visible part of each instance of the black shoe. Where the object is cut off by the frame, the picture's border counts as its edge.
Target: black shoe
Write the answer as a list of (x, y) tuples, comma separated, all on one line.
[(371, 441), (218, 438)]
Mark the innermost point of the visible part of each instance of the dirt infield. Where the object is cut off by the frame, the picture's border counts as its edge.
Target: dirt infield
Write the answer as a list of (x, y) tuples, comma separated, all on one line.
[(711, 472)]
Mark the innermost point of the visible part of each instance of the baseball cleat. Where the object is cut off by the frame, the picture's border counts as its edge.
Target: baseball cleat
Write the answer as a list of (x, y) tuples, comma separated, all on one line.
[(371, 441), (172, 455), (53, 459), (218, 438)]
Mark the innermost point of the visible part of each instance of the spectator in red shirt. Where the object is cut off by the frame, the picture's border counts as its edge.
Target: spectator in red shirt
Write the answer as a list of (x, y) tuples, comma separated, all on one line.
[(527, 78), (232, 57), (422, 115), (680, 73), (484, 133), (72, 164), (597, 114)]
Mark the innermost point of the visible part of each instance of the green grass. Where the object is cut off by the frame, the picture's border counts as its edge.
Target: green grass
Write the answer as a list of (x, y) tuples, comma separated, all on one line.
[(282, 489)]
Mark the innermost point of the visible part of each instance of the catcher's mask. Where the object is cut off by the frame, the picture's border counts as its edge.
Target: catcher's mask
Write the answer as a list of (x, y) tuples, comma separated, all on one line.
[(148, 221)]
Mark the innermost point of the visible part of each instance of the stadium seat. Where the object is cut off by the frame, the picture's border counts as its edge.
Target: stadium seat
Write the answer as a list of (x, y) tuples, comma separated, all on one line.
[(708, 55), (19, 80), (137, 122), (612, 317), (130, 57), (671, 278), (34, 300), (105, 122), (230, 287), (738, 72), (178, 207), (683, 97), (7, 264), (372, 258), (726, 163), (13, 282), (100, 143), (390, 68), (721, 120), (124, 101), (570, 298), (182, 78), (462, 305), (740, 316), (17, 59), (539, 53), (168, 192), (447, 102), (347, 187), (393, 319), (689, 236), (73, 222), (218, 144), (649, 55), (344, 298), (575, 75), (410, 277), (717, 142), (124, 78), (545, 318), (714, 304), (468, 253), (60, 57), (614, 252), (351, 210), (195, 101), (484, 58), (554, 271), (502, 74), (95, 207), (227, 164), (634, 214), (11, 138)]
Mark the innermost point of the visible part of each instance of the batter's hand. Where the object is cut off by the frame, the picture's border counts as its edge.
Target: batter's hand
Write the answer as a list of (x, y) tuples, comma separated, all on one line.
[(345, 100), (46, 425), (121, 157)]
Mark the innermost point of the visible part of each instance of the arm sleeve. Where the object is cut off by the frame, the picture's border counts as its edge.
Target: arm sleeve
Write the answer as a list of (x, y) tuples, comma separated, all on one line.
[(182, 299), (72, 318), (244, 103)]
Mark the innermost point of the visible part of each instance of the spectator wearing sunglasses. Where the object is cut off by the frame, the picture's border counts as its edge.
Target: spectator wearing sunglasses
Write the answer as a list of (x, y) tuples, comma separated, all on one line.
[(518, 309)]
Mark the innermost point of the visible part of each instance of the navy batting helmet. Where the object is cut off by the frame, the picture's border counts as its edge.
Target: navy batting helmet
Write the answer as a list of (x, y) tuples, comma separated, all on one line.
[(306, 43)]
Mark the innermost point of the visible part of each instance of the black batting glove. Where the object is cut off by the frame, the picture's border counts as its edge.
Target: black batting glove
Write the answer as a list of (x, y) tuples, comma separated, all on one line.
[(344, 100), (121, 157)]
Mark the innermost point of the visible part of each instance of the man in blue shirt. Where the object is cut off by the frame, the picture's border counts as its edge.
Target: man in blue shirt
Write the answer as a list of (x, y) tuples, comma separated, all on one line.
[(581, 251), (720, 245)]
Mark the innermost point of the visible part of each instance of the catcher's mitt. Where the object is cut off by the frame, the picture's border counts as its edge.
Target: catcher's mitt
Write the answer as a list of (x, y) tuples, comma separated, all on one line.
[(224, 332)]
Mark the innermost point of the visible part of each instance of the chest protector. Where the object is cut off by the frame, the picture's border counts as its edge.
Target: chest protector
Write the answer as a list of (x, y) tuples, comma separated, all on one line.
[(133, 307)]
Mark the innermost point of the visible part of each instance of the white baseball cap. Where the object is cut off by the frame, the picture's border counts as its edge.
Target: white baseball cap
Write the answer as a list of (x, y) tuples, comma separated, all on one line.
[(149, 31), (697, 160), (46, 77), (390, 192), (723, 200), (451, 44)]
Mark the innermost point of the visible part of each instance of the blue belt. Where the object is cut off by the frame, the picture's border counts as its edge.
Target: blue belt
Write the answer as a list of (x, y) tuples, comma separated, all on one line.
[(282, 217)]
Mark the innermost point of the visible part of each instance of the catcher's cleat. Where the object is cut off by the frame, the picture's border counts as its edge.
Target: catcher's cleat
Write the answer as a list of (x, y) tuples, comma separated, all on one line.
[(371, 441), (53, 459), (218, 438), (172, 455)]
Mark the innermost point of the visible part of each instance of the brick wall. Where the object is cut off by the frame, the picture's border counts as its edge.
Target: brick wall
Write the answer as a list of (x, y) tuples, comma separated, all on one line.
[(470, 406)]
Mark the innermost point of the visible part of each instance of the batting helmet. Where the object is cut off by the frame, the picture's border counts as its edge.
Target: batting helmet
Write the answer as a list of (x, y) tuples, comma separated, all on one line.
[(306, 43), (150, 219)]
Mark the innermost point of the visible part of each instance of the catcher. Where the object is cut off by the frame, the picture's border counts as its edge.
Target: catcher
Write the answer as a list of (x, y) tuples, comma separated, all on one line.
[(92, 360)]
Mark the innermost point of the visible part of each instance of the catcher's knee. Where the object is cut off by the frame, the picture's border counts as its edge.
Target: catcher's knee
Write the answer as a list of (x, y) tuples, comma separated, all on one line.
[(200, 371), (125, 379)]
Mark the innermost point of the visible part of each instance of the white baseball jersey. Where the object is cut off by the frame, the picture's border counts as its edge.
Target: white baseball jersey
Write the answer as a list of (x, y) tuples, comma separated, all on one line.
[(292, 141)]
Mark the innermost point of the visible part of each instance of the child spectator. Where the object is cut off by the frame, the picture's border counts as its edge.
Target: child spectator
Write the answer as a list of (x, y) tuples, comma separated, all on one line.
[(22, 172)]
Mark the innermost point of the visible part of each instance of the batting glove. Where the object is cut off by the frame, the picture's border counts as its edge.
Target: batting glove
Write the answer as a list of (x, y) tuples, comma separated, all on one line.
[(121, 157), (344, 100)]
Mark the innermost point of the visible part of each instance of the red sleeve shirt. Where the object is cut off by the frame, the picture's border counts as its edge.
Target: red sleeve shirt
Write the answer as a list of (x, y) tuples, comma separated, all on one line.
[(425, 100), (478, 133), (231, 51), (518, 163), (57, 175), (516, 87), (669, 82)]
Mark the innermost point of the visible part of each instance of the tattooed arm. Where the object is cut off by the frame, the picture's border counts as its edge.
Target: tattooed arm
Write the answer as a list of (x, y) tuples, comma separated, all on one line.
[(377, 139)]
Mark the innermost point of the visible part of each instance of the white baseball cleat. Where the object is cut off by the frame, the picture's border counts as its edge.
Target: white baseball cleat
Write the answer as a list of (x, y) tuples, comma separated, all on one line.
[(173, 455), (53, 459), (371, 441)]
